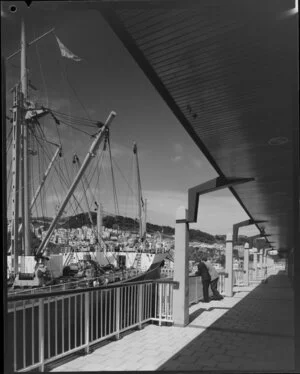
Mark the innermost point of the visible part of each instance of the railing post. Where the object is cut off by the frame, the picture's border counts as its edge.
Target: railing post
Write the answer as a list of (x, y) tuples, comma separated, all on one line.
[(246, 264), (196, 289), (140, 293), (159, 303), (222, 282), (87, 321), (41, 335), (229, 266), (255, 263), (118, 293), (261, 254)]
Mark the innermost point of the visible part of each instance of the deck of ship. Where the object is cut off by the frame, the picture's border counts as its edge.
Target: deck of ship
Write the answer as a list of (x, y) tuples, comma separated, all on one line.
[(253, 330)]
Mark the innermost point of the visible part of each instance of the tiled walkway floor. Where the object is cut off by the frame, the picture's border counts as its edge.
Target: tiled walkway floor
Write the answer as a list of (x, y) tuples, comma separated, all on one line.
[(253, 330)]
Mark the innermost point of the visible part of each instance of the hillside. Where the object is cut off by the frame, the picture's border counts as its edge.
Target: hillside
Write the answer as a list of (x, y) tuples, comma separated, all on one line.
[(125, 223)]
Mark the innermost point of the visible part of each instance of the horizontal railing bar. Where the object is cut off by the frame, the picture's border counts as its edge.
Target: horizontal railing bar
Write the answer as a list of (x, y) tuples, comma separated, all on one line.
[(77, 282), (29, 368), (61, 355), (86, 289), (196, 276)]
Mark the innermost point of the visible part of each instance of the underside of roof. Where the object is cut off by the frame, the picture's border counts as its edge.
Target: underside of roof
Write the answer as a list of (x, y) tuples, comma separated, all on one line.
[(229, 72)]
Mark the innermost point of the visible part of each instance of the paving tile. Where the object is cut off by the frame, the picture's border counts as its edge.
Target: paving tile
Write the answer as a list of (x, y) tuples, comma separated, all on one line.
[(242, 339)]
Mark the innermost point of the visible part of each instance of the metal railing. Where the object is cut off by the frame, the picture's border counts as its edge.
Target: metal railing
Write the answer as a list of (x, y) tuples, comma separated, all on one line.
[(81, 282), (47, 327), (238, 277), (258, 275)]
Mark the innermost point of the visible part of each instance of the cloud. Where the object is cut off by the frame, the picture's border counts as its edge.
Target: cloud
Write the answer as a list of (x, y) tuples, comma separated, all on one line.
[(216, 214), (178, 149), (119, 150), (177, 158), (197, 162), (162, 205)]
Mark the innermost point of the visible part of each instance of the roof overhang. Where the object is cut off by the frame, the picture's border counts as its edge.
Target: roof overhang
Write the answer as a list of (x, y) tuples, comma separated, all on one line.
[(229, 72)]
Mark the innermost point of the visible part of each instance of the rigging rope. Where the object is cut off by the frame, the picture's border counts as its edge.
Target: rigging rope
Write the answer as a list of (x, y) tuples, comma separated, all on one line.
[(41, 71), (74, 90), (88, 121), (77, 129), (60, 176)]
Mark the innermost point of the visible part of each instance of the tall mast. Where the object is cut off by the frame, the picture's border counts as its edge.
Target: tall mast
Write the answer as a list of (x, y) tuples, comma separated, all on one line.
[(145, 218), (140, 199), (16, 134), (99, 223), (25, 143)]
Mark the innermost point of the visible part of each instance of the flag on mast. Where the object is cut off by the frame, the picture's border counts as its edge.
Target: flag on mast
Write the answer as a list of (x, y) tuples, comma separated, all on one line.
[(65, 52)]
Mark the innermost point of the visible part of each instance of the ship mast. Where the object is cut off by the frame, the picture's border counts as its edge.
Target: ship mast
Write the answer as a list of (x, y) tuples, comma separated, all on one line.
[(99, 224), (140, 198), (145, 217), (25, 138)]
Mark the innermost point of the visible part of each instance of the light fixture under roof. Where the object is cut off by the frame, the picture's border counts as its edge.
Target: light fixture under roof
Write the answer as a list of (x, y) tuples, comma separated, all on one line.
[(279, 140)]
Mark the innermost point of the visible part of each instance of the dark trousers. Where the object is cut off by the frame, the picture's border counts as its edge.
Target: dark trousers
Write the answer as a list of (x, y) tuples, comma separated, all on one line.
[(205, 285), (214, 288)]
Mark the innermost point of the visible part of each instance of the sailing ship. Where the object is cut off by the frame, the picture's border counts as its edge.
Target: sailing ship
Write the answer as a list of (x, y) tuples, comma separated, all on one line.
[(133, 259)]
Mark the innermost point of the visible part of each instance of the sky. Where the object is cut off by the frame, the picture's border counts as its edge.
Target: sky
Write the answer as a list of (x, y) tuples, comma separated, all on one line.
[(109, 79)]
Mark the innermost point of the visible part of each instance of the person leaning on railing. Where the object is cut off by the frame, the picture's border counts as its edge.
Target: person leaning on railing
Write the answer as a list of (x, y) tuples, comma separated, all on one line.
[(214, 275), (205, 277)]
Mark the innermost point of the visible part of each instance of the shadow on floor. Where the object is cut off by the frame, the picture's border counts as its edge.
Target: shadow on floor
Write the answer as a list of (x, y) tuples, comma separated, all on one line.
[(256, 334)]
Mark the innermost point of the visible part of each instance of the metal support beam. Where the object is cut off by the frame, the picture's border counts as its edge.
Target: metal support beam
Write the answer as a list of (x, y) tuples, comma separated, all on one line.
[(258, 236), (236, 227), (209, 186)]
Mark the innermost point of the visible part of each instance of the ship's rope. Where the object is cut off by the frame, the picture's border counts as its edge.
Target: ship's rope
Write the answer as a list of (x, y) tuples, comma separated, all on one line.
[(65, 73), (77, 163), (42, 193), (42, 72), (9, 191), (77, 129), (9, 140), (61, 175), (45, 152), (74, 119)]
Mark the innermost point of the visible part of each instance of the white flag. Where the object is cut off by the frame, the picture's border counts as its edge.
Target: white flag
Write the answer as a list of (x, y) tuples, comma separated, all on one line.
[(65, 52)]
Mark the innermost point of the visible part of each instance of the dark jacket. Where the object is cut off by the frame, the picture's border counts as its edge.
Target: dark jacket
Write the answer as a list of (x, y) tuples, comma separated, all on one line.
[(203, 271)]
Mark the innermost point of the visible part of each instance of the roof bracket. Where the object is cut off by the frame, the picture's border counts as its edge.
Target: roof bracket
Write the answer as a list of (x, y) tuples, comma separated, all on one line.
[(248, 222), (209, 186), (252, 239)]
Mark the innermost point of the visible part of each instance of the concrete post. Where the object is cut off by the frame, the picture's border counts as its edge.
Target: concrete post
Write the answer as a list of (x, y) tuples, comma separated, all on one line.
[(266, 258), (246, 264), (261, 254), (255, 259), (181, 270), (229, 266)]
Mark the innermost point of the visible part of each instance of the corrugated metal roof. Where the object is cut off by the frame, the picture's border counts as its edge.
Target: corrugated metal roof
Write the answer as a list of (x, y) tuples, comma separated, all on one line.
[(229, 73)]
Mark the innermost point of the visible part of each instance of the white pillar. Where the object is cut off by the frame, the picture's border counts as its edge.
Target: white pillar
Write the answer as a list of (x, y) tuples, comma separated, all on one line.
[(261, 254), (255, 259), (265, 257), (229, 266), (181, 270), (246, 264)]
